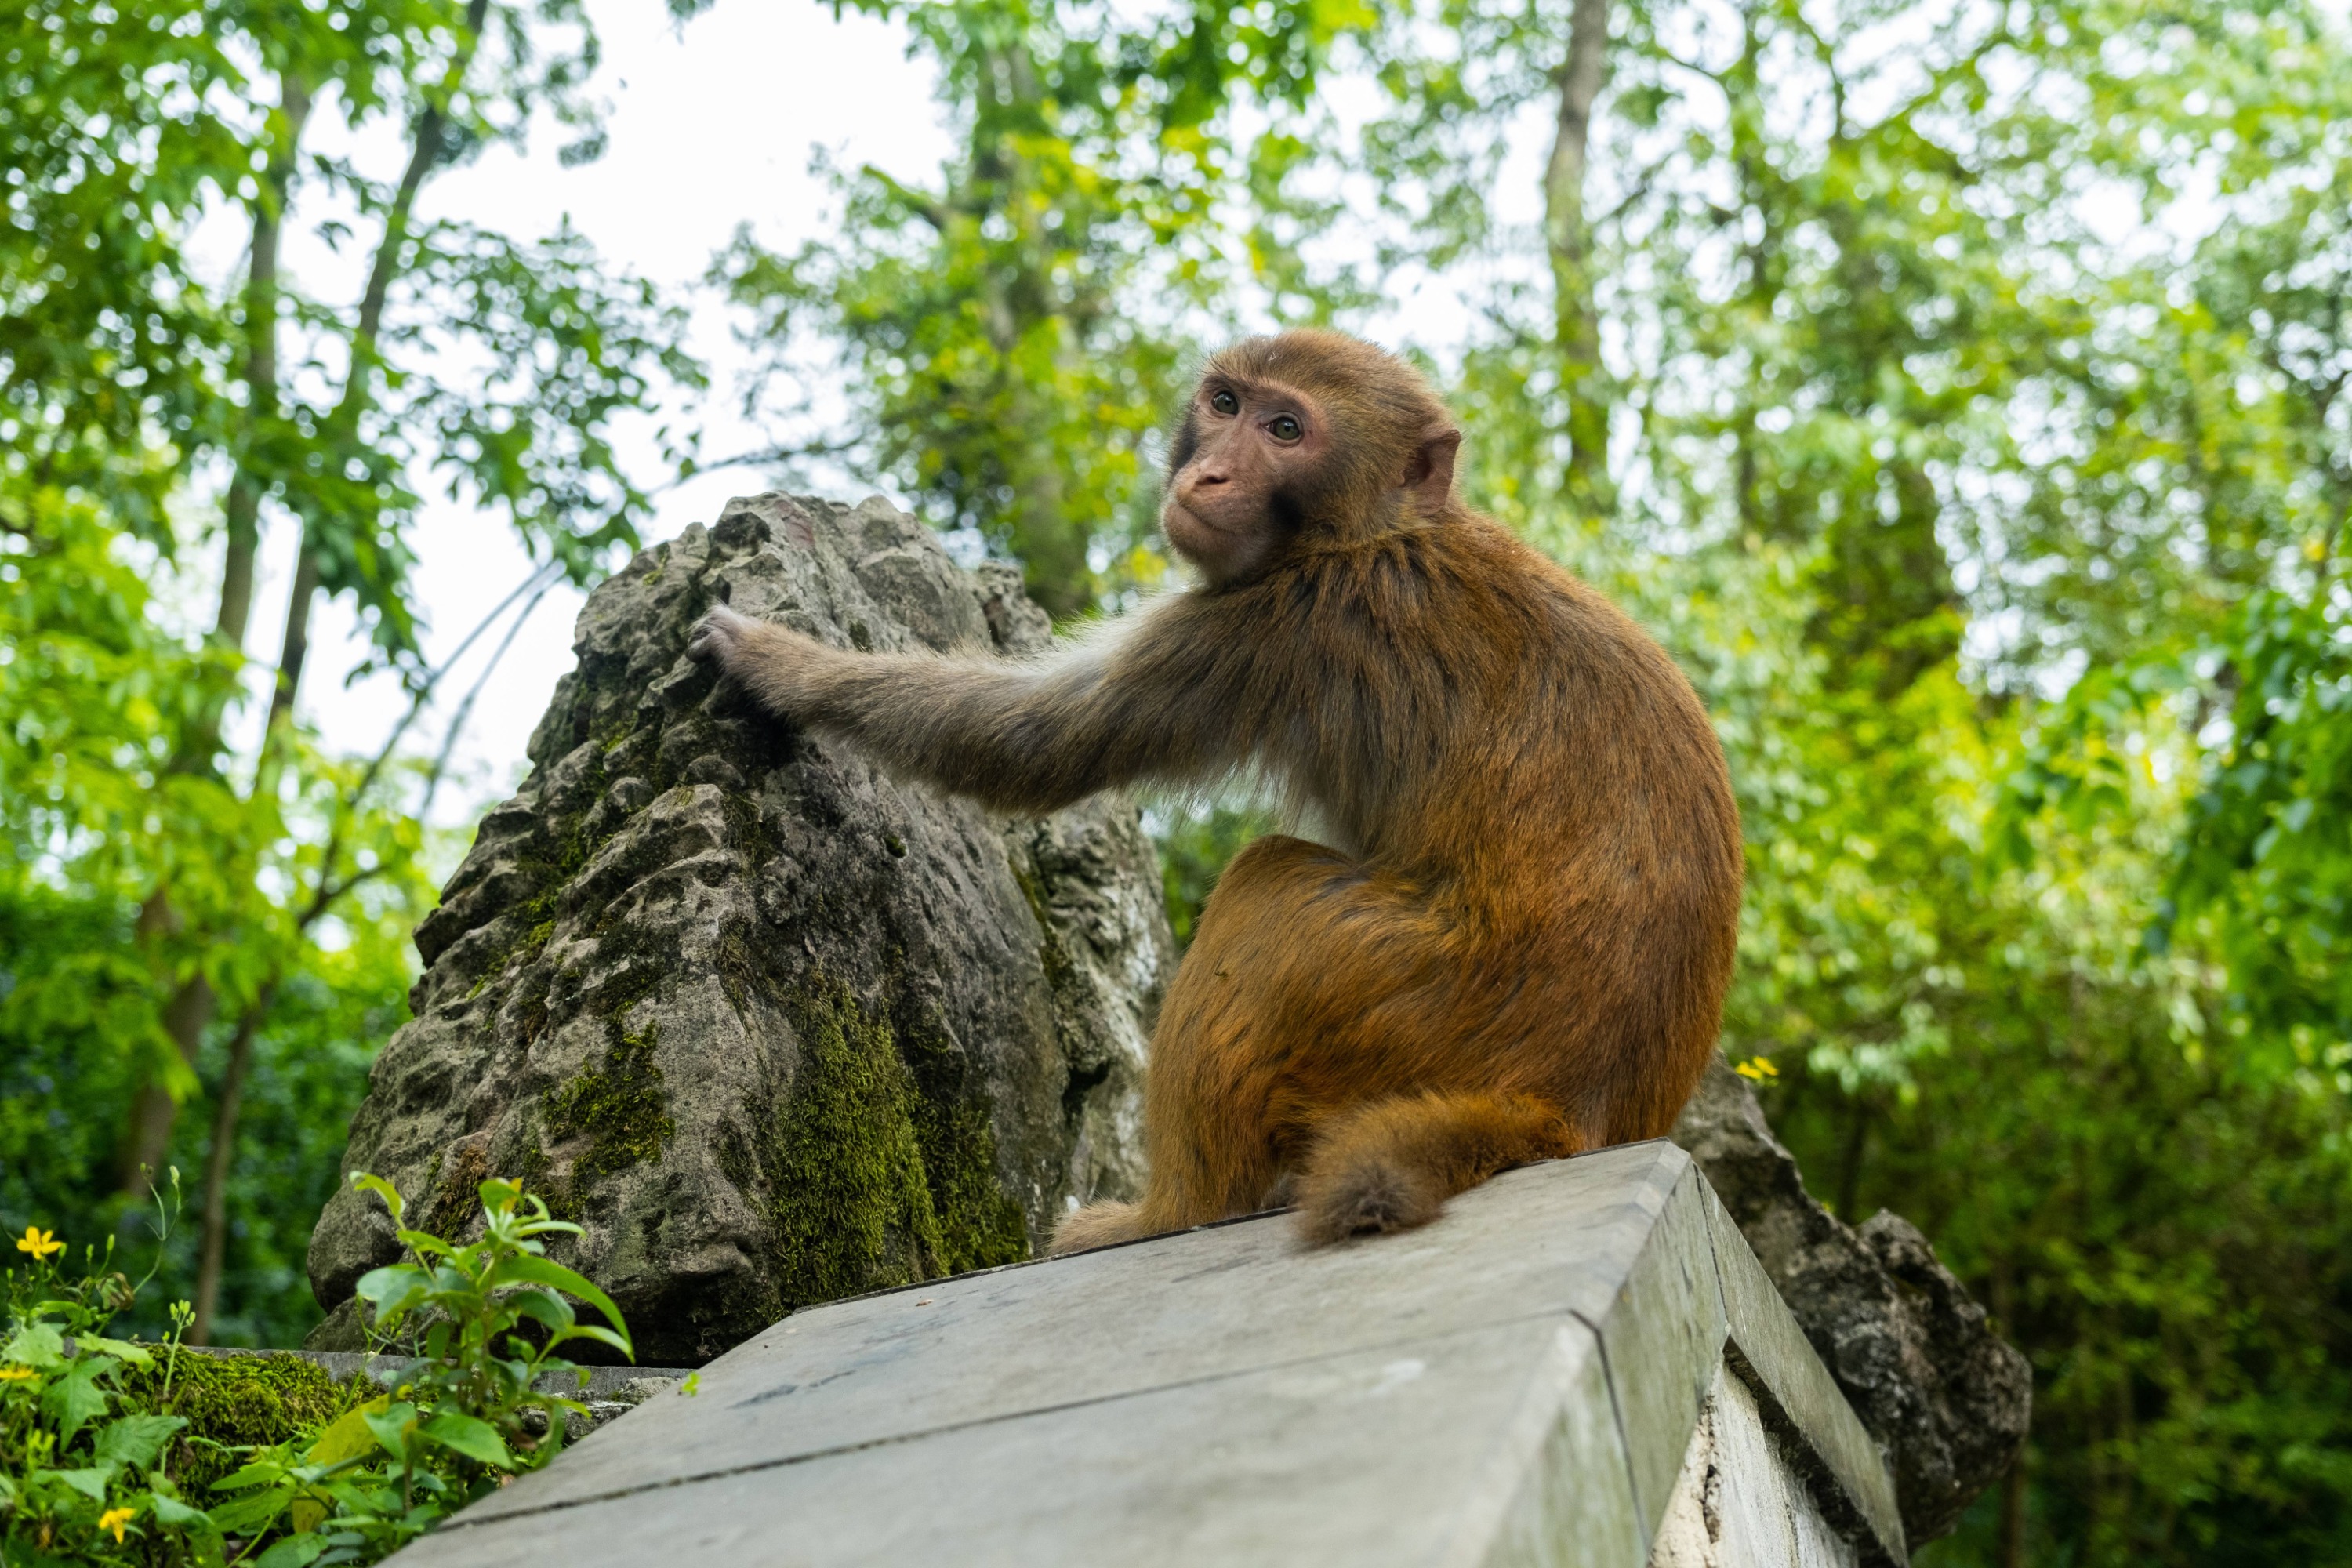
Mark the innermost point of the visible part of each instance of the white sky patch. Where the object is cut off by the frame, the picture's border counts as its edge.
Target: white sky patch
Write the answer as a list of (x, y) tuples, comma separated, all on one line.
[(711, 126)]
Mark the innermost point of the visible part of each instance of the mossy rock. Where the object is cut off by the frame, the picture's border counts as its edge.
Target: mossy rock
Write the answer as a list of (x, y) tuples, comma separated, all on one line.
[(769, 1026), (237, 1402)]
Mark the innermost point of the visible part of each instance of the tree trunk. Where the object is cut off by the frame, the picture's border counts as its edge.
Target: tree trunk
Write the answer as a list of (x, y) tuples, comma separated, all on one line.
[(296, 650), (1577, 325), (430, 136), (216, 1164), (2012, 1514), (243, 519), (147, 1135)]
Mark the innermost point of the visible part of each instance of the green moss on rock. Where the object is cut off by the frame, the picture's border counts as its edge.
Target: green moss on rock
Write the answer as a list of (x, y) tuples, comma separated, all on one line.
[(878, 1183), (232, 1402), (622, 1107)]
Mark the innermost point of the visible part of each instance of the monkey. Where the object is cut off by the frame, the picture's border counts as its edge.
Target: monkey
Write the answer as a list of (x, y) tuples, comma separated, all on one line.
[(1511, 936)]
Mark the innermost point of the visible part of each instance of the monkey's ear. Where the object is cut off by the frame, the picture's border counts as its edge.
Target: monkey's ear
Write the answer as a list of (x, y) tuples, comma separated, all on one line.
[(1429, 476)]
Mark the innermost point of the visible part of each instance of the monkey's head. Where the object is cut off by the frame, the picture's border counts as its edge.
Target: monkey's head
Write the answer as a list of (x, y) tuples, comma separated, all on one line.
[(1308, 438)]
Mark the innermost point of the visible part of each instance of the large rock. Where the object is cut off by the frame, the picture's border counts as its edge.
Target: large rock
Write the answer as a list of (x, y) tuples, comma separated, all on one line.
[(771, 1026), (1944, 1396)]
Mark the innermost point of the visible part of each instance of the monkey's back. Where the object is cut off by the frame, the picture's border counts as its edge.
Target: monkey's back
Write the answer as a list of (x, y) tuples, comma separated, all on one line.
[(1501, 734)]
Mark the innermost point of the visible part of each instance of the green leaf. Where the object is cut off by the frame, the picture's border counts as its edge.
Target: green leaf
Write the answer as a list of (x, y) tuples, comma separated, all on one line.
[(365, 1183), (174, 1514), (294, 1551), (424, 1241), (603, 1335), (394, 1288), (265, 1471), (133, 1441), (545, 1307), (75, 1399), (91, 1481), (250, 1514), (136, 1354), (391, 1427), (39, 1345), (348, 1436), (540, 1272), (465, 1435)]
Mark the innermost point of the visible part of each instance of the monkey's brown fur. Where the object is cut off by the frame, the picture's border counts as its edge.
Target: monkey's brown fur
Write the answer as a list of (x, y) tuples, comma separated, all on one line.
[(1514, 942)]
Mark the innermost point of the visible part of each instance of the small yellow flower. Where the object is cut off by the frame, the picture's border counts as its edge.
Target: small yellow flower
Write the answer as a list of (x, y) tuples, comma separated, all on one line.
[(39, 1242), (18, 1375), (1755, 1069), (114, 1518)]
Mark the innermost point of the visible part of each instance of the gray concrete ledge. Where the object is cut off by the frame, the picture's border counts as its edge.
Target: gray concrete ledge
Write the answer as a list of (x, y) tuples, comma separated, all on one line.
[(1526, 1382)]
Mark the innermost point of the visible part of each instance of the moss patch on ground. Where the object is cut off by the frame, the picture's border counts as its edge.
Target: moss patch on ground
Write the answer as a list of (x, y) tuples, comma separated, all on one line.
[(233, 1402)]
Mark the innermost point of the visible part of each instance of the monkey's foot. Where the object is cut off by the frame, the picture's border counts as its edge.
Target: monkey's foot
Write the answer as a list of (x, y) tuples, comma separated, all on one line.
[(1097, 1225)]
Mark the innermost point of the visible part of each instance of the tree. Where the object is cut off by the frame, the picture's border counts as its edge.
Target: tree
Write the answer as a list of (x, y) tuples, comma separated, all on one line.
[(139, 393), (1015, 335)]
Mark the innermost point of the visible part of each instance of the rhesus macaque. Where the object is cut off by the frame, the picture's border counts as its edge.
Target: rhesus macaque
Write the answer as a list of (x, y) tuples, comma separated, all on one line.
[(1511, 935)]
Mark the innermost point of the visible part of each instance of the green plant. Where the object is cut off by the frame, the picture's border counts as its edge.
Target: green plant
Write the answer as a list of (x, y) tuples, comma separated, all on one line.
[(81, 1467), (97, 1453), (459, 1421)]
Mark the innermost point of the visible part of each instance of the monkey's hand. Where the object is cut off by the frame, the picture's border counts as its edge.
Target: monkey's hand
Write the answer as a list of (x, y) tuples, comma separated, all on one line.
[(777, 664), (719, 636)]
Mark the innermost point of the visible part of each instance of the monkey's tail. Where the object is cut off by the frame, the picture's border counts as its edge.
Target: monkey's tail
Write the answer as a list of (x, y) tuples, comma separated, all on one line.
[(1104, 1223), (1390, 1165)]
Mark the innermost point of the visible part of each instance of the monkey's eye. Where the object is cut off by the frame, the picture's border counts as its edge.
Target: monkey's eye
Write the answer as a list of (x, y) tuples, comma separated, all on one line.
[(1225, 403), (1285, 428)]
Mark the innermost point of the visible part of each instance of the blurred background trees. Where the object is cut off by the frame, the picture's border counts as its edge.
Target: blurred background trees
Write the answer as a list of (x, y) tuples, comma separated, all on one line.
[(1956, 389)]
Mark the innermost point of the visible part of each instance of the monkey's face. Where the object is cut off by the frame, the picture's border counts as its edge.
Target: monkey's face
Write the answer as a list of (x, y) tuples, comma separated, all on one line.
[(1247, 454)]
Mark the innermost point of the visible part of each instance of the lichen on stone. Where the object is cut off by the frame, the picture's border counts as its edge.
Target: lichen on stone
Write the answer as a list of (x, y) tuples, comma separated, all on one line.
[(852, 1206), (621, 1106), (880, 1178)]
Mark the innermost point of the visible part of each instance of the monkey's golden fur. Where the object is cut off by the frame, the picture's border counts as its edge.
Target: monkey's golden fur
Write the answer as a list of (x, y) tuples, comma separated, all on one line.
[(1514, 943)]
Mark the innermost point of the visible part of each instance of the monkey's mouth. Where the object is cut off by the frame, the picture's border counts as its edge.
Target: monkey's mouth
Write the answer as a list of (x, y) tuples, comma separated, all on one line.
[(1188, 529)]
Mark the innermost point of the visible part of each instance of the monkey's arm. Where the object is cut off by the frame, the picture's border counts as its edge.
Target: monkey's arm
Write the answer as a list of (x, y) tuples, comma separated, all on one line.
[(1021, 737)]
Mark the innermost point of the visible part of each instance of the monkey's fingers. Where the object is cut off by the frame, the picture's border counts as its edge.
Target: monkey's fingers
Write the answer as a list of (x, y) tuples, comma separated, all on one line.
[(714, 636)]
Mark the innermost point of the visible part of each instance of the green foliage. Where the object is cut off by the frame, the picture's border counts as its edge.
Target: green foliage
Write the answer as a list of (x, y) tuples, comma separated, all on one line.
[(83, 1467), (96, 697), (1016, 333), (204, 947), (110, 1449), (462, 1420), (2265, 858), (1194, 845), (234, 1403)]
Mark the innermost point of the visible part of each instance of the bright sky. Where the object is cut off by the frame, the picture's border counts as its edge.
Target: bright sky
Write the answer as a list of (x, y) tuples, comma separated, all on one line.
[(711, 126)]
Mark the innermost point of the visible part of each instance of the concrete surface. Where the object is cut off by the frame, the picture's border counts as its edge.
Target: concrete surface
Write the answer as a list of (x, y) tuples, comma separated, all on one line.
[(1529, 1381)]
